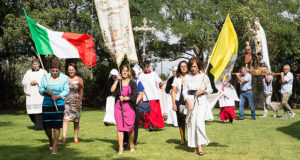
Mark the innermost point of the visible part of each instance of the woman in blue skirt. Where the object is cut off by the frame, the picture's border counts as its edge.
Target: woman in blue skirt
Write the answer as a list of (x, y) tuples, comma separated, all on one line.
[(55, 88)]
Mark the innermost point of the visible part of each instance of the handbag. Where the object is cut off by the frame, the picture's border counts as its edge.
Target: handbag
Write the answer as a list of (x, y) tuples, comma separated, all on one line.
[(144, 107), (182, 109)]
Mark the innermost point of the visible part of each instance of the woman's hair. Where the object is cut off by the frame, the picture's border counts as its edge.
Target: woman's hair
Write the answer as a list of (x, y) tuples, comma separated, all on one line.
[(128, 68), (55, 64), (35, 60), (198, 62), (73, 65), (178, 72)]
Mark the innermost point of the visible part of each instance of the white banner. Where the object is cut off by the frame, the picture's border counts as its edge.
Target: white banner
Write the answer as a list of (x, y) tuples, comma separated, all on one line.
[(115, 23)]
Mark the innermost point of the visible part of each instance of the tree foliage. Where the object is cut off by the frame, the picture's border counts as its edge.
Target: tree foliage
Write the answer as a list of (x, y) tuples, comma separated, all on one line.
[(196, 23)]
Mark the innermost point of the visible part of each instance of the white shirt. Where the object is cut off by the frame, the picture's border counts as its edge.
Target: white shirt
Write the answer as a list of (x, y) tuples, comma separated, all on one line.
[(288, 85), (177, 84), (150, 82), (267, 87), (34, 99), (244, 86)]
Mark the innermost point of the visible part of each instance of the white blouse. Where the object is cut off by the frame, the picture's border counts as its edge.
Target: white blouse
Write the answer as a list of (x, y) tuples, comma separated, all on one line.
[(177, 83), (193, 82)]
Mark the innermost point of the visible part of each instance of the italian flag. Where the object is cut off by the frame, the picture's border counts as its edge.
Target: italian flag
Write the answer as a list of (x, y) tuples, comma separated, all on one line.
[(62, 44)]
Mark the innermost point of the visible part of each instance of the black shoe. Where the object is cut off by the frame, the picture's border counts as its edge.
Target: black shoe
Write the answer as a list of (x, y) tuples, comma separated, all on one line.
[(253, 118), (125, 145), (230, 121), (240, 119), (151, 129)]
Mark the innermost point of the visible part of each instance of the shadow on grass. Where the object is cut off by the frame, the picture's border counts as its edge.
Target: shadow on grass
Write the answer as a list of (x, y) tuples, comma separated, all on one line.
[(42, 152), (5, 124), (114, 142), (292, 130), (186, 148), (68, 140), (215, 144), (13, 112)]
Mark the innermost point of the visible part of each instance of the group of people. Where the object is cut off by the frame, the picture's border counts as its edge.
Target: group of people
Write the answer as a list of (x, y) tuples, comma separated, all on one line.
[(53, 99), (189, 90), (133, 99), (245, 81)]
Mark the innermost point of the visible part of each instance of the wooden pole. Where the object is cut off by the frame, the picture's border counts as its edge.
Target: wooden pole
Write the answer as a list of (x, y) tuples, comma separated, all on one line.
[(120, 81), (260, 74)]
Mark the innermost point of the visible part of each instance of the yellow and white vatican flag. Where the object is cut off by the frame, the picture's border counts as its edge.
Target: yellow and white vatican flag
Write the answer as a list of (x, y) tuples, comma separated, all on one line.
[(225, 52), (115, 23)]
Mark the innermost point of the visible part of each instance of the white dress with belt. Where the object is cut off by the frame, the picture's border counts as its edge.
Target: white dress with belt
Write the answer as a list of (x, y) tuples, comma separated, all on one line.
[(196, 122)]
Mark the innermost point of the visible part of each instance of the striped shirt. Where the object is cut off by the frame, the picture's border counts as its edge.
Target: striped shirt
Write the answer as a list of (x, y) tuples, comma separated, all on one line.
[(267, 87)]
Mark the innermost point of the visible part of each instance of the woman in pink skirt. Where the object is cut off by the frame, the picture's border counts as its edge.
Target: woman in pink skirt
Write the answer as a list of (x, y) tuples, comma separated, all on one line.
[(125, 117)]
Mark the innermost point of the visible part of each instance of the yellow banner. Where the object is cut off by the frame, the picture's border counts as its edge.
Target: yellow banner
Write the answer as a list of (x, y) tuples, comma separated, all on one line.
[(225, 51)]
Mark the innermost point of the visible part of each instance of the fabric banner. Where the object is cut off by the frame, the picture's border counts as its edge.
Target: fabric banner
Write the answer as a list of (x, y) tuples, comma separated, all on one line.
[(115, 24), (62, 44), (225, 52)]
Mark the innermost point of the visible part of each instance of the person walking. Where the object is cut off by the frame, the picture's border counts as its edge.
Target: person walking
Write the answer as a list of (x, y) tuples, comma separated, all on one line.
[(73, 103), (245, 81), (34, 100), (125, 106), (286, 91), (55, 88)]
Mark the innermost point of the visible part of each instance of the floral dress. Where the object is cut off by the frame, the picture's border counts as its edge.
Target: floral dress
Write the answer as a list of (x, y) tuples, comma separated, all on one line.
[(72, 112)]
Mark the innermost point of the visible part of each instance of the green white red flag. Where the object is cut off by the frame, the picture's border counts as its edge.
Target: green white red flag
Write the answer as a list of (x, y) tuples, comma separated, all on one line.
[(62, 44)]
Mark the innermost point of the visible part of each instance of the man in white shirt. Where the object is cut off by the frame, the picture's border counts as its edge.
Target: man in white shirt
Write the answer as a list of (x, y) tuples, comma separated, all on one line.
[(245, 79), (151, 83), (286, 91)]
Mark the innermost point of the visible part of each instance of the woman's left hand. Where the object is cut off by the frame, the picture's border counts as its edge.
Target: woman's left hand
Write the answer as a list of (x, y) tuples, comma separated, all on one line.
[(199, 92), (122, 98), (54, 98)]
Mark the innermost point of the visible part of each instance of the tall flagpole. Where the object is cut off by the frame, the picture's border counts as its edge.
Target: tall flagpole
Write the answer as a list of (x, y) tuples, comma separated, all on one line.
[(120, 81)]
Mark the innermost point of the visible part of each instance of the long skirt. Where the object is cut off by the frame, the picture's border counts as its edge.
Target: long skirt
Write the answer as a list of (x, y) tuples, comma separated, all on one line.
[(227, 113), (155, 116), (53, 118), (129, 117), (109, 110), (196, 127)]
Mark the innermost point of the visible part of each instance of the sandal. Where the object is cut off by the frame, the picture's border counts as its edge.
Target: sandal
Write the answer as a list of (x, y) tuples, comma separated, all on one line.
[(200, 153), (182, 143), (63, 142), (120, 151), (132, 149)]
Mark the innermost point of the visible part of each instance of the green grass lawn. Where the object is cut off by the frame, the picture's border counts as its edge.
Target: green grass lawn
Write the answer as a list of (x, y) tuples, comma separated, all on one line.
[(264, 138)]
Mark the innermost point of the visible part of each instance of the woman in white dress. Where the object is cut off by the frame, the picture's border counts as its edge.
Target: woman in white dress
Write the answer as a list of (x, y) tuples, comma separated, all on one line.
[(109, 117), (34, 100), (195, 89), (172, 117), (177, 97)]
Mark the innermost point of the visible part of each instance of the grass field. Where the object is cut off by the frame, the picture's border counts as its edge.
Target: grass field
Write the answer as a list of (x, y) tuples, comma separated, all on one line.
[(264, 138)]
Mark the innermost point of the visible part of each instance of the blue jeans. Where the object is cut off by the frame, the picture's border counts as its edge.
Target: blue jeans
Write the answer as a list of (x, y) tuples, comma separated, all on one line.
[(249, 96)]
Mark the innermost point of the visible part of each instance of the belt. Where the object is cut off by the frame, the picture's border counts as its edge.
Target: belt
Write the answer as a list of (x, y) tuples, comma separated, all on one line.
[(192, 92), (246, 91)]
